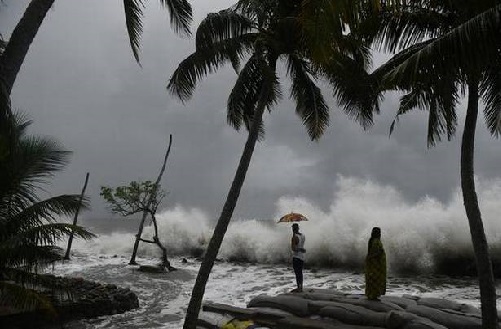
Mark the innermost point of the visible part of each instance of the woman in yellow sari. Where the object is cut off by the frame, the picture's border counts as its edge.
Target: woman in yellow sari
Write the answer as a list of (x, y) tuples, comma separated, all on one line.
[(375, 267)]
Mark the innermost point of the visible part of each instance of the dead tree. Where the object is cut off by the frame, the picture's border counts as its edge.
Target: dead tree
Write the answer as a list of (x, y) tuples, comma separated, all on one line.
[(70, 240), (140, 197)]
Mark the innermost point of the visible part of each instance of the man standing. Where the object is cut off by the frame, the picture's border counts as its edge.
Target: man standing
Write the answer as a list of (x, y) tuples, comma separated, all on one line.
[(298, 251)]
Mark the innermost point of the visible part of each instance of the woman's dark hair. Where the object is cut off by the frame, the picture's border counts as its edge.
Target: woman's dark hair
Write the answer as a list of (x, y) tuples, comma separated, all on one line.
[(375, 234)]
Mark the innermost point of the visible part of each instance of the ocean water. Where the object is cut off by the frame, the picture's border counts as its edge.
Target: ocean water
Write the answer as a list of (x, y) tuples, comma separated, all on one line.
[(427, 245)]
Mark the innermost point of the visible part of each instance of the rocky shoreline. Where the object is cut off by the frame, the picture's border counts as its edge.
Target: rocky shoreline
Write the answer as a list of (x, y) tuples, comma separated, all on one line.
[(74, 298), (329, 308)]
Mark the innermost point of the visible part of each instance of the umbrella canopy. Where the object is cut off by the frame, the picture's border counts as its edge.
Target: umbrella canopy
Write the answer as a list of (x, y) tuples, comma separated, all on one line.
[(292, 217)]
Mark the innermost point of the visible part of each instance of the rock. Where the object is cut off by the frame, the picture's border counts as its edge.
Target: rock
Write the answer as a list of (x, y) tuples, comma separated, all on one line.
[(76, 299), (151, 269)]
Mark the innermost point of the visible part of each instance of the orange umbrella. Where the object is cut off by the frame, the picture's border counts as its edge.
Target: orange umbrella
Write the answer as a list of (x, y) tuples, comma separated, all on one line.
[(292, 217)]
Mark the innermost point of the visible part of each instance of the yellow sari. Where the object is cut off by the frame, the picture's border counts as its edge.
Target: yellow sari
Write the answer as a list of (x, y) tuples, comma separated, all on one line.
[(375, 270)]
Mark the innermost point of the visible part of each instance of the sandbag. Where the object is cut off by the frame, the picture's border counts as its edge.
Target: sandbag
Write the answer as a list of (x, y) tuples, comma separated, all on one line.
[(295, 305), (449, 320)]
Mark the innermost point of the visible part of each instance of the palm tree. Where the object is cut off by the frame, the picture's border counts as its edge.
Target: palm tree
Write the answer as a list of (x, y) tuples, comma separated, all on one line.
[(450, 47), (28, 227), (27, 28), (262, 32)]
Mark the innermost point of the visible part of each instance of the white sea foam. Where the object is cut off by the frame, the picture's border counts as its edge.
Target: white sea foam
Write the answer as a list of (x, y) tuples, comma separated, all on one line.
[(414, 234)]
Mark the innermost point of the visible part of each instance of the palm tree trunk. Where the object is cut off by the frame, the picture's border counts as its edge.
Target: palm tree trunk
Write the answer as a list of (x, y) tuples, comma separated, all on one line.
[(20, 41), (480, 246), (222, 223)]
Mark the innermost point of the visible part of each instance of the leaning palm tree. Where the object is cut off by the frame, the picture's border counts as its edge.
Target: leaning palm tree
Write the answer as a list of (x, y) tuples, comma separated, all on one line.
[(450, 47), (262, 33), (27, 28), (29, 229)]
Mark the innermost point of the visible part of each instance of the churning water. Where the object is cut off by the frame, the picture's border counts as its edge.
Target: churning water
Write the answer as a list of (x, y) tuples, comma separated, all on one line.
[(426, 242)]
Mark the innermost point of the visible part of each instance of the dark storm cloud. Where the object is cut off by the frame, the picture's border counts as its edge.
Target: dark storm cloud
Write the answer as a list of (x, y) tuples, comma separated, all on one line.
[(80, 84)]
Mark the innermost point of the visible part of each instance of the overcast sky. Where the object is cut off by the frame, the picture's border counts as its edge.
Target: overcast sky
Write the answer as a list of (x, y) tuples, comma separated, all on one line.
[(81, 85)]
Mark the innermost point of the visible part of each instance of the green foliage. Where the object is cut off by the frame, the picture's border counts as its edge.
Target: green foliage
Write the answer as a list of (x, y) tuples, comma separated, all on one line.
[(137, 197), (264, 32), (29, 229), (458, 44)]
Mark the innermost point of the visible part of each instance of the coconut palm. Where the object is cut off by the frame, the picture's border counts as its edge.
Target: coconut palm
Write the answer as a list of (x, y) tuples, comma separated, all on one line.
[(262, 33), (27, 28), (450, 47), (29, 229)]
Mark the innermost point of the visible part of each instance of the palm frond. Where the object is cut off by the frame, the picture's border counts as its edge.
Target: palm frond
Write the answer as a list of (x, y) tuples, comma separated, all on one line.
[(245, 93), (220, 26), (385, 73), (439, 96), (470, 45), (323, 26), (490, 88), (42, 212), (133, 21), (270, 92), (201, 63), (181, 15), (310, 104), (400, 29), (21, 298), (354, 88), (29, 257), (31, 162), (47, 234), (259, 11)]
